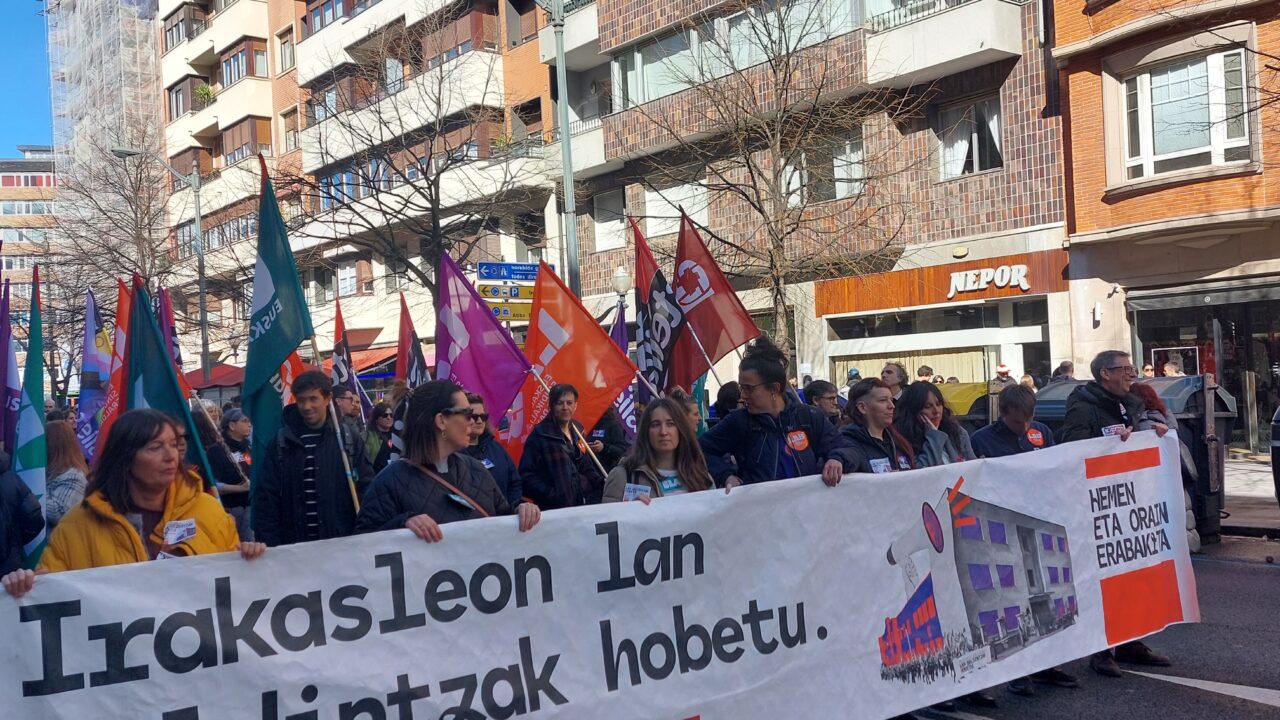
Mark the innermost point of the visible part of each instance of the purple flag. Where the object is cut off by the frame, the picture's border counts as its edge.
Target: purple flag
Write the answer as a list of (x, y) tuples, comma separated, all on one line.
[(95, 364), (9, 375), (625, 404), (472, 347)]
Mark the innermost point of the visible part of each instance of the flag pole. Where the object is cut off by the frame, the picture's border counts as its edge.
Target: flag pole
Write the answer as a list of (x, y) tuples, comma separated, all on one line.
[(337, 431), (710, 365), (576, 431), (213, 482), (649, 385)]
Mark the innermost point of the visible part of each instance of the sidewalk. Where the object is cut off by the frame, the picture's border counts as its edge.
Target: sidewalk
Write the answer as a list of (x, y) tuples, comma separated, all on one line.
[(1250, 500)]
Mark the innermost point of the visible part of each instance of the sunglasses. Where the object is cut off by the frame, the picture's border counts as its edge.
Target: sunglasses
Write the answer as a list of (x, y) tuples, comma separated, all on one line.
[(465, 412), (482, 417)]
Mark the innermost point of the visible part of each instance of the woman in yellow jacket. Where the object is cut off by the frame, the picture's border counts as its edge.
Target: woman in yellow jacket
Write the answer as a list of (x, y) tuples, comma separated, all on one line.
[(141, 504)]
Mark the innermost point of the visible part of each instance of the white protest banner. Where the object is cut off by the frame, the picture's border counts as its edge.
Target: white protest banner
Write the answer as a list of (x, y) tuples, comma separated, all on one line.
[(866, 600)]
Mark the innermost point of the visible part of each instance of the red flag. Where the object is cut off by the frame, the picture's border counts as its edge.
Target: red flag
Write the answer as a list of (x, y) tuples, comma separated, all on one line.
[(711, 309), (565, 344), (114, 404), (169, 331), (411, 366), (290, 369), (342, 371), (659, 321)]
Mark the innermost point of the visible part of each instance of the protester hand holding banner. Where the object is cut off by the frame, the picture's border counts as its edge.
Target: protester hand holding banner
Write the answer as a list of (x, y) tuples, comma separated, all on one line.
[(883, 594)]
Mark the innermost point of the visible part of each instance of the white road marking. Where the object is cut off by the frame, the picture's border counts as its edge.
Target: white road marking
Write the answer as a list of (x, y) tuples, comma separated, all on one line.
[(1265, 696)]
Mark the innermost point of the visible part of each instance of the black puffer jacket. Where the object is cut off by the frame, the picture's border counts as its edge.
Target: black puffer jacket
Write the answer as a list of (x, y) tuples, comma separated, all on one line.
[(557, 473), (755, 442), (278, 516), (1090, 408), (402, 491), (865, 454), (21, 520)]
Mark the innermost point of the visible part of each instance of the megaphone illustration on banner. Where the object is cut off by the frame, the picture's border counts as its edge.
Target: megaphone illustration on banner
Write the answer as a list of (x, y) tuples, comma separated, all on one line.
[(914, 550)]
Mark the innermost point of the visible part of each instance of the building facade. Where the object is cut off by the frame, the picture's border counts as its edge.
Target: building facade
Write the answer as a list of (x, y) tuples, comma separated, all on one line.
[(1172, 192), (27, 229)]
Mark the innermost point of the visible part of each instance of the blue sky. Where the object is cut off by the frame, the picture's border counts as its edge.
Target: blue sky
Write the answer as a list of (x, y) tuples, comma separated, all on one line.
[(24, 86)]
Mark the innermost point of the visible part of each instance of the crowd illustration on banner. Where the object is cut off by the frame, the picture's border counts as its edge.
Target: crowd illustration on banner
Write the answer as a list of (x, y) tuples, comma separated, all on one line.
[(143, 472)]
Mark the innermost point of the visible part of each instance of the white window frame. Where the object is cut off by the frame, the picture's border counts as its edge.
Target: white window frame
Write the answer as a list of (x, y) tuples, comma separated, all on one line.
[(662, 208), (969, 109), (610, 232), (1142, 165), (285, 51)]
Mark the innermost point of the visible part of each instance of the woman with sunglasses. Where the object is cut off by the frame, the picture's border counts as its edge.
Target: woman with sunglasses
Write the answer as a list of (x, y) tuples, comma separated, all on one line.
[(556, 467), (377, 439), (774, 436), (666, 458), (434, 483), (486, 448)]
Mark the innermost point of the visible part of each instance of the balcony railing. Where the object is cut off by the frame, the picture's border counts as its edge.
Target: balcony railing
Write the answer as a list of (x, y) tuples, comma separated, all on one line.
[(197, 28), (577, 127), (910, 11)]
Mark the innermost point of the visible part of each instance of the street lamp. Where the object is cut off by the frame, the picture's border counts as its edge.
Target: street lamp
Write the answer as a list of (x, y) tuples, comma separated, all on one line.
[(621, 282), (192, 181), (555, 10)]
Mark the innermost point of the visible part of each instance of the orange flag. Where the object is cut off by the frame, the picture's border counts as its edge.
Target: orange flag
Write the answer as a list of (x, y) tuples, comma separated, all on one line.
[(565, 344), (115, 399)]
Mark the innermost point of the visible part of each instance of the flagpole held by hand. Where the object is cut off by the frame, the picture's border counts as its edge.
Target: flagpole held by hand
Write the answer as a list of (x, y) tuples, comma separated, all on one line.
[(337, 430), (576, 431)]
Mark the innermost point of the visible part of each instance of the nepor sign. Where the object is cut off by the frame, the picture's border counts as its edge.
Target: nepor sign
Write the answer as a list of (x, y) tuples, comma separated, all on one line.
[(1001, 277)]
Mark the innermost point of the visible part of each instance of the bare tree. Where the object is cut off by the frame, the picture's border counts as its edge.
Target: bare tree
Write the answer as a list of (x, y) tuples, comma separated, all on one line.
[(419, 159), (770, 117)]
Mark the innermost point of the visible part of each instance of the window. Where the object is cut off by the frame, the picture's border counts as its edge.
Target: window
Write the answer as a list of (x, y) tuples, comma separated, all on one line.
[(1005, 574), (260, 62), (26, 180), (980, 576), (393, 74), (177, 102), (233, 67), (1059, 608), (971, 530), (290, 122), (355, 277), (668, 65), (1066, 574), (1062, 544), (323, 285), (971, 138), (662, 207), (284, 50), (186, 240), (1011, 618), (1186, 114), (323, 14), (1046, 541), (1053, 575), (25, 207), (996, 531), (830, 171), (323, 104), (397, 273), (989, 620), (609, 220), (31, 236), (175, 30)]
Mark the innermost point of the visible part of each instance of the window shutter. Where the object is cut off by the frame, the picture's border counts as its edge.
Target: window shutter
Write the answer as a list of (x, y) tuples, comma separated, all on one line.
[(364, 277)]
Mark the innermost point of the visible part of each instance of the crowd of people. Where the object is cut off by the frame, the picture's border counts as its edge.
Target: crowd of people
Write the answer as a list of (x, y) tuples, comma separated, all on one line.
[(325, 476)]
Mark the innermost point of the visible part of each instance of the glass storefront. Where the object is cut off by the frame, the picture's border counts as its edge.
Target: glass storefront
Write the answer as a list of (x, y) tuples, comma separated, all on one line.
[(1250, 355)]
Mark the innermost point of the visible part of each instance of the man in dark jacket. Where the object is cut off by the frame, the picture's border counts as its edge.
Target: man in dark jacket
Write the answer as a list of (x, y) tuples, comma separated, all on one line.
[(795, 442), (21, 519), (1104, 408), (1016, 431), (486, 448), (608, 440), (303, 492)]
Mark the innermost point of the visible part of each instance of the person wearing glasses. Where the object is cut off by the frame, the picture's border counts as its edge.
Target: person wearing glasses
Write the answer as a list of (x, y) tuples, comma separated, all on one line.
[(435, 483), (556, 466), (824, 396), (486, 448), (774, 436), (1105, 407), (1148, 371)]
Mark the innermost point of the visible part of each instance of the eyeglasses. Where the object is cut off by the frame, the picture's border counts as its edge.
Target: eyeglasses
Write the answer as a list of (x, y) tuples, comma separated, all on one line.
[(482, 417), (746, 388), (1147, 368), (465, 412), (1126, 369)]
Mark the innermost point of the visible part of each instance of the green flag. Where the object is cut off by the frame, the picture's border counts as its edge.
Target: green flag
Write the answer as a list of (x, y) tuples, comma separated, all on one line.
[(278, 322), (29, 450), (150, 379)]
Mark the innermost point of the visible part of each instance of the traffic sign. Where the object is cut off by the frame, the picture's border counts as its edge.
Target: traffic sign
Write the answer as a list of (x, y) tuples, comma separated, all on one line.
[(511, 311), (506, 292), (517, 272)]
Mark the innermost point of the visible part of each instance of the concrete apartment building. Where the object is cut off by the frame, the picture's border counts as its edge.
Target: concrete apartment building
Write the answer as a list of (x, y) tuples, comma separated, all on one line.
[(970, 272), (1172, 192), (27, 222)]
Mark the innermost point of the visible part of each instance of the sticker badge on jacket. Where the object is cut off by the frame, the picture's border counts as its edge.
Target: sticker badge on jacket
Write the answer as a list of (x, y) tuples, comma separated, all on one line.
[(798, 440), (177, 531), (487, 463), (1035, 437), (880, 465)]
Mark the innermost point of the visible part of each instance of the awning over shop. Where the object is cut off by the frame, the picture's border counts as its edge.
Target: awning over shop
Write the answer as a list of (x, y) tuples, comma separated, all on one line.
[(1204, 294), (220, 375)]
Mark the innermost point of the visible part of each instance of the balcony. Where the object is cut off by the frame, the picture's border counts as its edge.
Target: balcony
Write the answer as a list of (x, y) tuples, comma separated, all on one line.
[(192, 129), (474, 78), (581, 38), (248, 96), (923, 40), (586, 137), (330, 47), (221, 188), (234, 21)]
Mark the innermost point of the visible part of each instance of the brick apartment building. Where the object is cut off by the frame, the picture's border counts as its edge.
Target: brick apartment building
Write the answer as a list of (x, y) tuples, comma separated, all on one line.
[(1172, 193)]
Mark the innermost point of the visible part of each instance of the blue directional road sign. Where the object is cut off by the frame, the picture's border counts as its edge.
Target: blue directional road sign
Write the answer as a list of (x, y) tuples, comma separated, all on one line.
[(515, 272)]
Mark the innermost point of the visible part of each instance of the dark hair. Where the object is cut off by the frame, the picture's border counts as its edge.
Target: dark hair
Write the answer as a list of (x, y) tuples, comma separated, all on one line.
[(130, 433), (55, 416), (691, 465), (208, 434), (924, 370), (727, 398), (1150, 397), (340, 391), (902, 371), (818, 388), (907, 418), (1017, 397), (854, 416), (424, 403), (312, 380), (380, 410), (685, 400), (475, 399), (557, 392), (767, 359), (1103, 361)]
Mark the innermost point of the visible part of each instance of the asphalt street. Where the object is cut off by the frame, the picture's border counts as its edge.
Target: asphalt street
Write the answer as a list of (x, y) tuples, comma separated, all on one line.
[(1227, 667)]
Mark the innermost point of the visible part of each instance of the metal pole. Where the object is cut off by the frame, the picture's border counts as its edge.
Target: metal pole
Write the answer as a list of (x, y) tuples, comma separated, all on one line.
[(194, 181), (556, 10)]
